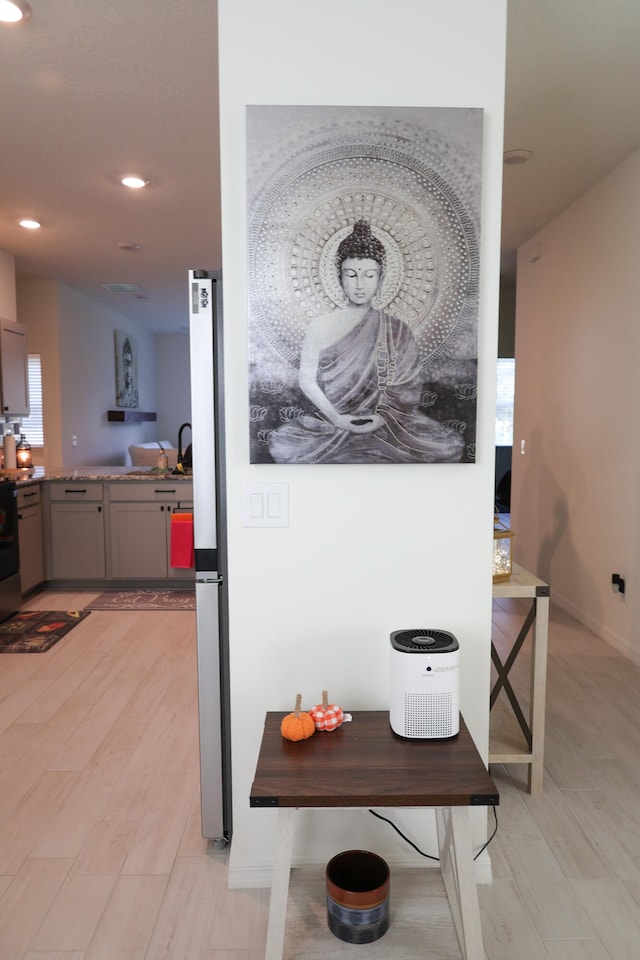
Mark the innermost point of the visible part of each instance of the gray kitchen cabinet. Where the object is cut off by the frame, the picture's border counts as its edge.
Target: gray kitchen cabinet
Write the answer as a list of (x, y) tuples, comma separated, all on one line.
[(77, 531), (14, 387), (30, 538), (140, 528)]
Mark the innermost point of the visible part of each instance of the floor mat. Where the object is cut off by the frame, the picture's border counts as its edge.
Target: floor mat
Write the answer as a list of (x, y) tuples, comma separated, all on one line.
[(34, 631), (144, 600)]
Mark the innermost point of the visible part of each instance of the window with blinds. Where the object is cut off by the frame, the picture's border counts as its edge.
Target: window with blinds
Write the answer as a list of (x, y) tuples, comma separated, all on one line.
[(505, 394), (32, 426)]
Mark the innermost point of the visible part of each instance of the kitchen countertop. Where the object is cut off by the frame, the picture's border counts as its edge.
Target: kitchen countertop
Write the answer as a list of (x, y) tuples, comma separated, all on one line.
[(142, 474)]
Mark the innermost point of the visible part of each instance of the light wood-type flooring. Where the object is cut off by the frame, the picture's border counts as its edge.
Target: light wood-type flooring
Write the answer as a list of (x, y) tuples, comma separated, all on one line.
[(101, 856)]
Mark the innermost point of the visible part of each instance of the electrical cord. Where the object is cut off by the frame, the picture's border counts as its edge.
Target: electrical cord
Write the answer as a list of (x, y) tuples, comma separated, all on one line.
[(429, 856)]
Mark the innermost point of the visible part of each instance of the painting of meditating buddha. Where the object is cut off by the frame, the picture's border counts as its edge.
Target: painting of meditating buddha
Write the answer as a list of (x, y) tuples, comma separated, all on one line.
[(363, 284)]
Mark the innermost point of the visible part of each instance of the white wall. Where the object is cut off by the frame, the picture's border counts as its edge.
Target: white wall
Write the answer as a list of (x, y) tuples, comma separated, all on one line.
[(7, 287), (368, 549), (75, 337), (575, 506), (87, 371), (173, 392)]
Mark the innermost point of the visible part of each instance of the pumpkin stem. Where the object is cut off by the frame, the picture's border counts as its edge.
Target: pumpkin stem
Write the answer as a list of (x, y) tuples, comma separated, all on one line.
[(298, 704), (325, 699)]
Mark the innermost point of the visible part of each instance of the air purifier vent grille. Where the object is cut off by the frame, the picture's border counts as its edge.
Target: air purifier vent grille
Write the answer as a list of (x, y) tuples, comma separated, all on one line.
[(423, 641), (429, 715)]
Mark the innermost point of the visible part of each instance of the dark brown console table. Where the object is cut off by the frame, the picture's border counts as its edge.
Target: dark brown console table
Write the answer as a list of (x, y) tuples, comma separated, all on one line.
[(364, 764)]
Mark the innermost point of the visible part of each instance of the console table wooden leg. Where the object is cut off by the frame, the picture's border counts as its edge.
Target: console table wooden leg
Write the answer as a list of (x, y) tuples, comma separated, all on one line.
[(538, 693), (456, 864), (280, 884)]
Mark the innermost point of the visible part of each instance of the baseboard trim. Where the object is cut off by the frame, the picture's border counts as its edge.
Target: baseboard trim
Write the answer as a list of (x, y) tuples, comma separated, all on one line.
[(601, 631), (61, 586)]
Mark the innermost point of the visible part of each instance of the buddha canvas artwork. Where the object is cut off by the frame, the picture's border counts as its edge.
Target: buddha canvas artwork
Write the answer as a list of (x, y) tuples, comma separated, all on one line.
[(363, 273), (126, 357)]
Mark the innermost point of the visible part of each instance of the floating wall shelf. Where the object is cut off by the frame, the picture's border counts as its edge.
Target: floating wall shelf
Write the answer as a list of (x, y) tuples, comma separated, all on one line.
[(129, 416)]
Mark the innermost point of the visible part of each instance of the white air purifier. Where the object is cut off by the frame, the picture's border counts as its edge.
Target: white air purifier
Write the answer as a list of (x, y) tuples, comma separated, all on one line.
[(425, 697)]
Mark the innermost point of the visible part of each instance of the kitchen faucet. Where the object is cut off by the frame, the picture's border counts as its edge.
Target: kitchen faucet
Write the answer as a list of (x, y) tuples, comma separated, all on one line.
[(185, 459)]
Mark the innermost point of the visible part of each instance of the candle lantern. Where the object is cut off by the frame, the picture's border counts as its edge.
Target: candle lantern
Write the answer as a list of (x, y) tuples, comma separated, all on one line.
[(502, 562), (23, 454)]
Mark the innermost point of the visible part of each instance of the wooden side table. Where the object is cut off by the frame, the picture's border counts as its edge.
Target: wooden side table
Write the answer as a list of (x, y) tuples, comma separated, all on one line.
[(364, 764), (524, 584)]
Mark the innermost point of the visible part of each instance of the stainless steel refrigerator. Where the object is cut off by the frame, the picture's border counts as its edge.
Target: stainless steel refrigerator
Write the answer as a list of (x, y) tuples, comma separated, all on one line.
[(207, 423)]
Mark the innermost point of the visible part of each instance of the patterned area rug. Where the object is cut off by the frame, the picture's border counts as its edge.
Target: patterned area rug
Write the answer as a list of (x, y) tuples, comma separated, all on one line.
[(34, 631), (144, 600)]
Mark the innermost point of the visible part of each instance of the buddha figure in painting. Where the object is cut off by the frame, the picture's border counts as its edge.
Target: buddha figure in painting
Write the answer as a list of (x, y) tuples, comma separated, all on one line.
[(360, 368)]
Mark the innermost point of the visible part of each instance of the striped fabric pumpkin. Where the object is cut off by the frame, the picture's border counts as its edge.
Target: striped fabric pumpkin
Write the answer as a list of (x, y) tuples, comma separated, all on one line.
[(325, 715)]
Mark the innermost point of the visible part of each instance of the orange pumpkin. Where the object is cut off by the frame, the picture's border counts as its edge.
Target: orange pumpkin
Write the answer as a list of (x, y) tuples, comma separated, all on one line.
[(297, 725)]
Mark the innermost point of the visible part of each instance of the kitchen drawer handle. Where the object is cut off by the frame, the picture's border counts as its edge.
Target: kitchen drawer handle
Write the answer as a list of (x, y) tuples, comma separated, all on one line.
[(75, 491), (164, 491), (34, 493)]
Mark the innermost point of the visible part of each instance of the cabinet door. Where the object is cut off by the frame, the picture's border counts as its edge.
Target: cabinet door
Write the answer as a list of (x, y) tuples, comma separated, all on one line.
[(13, 369), (138, 533), (77, 541), (31, 548)]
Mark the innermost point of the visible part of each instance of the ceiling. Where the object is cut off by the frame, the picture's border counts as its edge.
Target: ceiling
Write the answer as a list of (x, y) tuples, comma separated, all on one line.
[(90, 91)]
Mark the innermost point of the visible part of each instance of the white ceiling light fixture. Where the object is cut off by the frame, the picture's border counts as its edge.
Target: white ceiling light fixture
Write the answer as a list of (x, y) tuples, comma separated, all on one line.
[(29, 224), (133, 182), (13, 11), (515, 157)]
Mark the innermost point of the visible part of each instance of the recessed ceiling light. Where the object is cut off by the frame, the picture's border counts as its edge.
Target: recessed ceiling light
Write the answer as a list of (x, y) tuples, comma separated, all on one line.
[(515, 157), (12, 11), (30, 224), (134, 183)]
